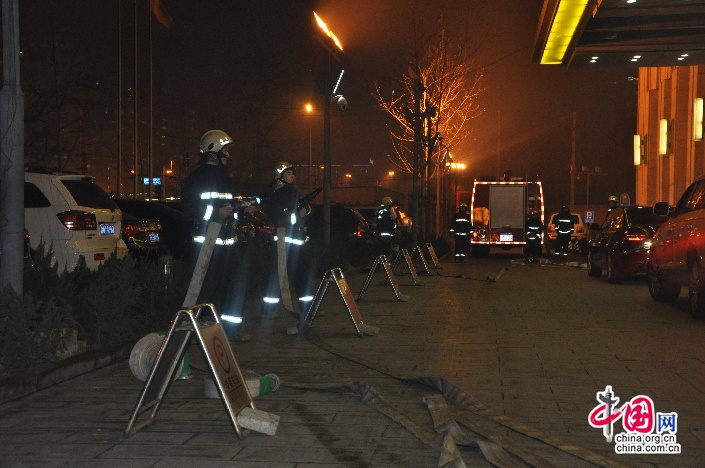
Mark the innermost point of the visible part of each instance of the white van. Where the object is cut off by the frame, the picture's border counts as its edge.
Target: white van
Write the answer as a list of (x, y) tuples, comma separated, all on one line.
[(72, 216)]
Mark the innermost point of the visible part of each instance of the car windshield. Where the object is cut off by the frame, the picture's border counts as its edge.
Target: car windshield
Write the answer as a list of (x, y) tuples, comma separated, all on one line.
[(87, 193), (644, 215)]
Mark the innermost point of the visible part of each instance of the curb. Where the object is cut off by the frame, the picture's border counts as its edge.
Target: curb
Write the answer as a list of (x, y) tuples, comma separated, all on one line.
[(22, 385)]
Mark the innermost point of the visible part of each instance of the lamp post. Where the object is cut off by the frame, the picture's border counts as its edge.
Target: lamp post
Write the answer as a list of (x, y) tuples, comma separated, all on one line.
[(309, 109), (333, 48), (587, 171)]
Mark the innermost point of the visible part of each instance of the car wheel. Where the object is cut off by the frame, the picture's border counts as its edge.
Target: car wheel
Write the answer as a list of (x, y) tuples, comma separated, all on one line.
[(696, 290), (593, 270), (613, 275), (659, 289)]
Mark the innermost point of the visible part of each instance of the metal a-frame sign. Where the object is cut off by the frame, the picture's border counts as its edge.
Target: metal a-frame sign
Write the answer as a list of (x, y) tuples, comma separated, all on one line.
[(221, 362), (409, 264), (434, 257), (214, 343), (381, 260), (336, 275)]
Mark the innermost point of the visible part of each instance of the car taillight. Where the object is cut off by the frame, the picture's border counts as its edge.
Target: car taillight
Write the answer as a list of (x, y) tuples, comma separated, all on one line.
[(75, 220), (360, 232), (636, 237), (130, 230)]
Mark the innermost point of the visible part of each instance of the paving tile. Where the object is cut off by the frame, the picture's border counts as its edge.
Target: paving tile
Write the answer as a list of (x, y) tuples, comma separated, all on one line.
[(503, 343)]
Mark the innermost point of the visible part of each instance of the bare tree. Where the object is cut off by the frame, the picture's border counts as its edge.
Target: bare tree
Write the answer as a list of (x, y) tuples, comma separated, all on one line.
[(433, 112)]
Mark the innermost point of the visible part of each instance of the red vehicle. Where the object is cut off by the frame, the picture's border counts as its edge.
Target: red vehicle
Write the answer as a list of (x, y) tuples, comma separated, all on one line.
[(499, 211)]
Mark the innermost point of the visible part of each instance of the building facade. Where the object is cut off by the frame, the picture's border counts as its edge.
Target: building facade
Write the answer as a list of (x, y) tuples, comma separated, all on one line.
[(668, 145)]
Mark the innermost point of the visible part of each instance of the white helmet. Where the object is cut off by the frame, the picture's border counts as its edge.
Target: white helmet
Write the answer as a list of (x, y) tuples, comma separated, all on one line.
[(280, 168), (387, 201), (214, 141)]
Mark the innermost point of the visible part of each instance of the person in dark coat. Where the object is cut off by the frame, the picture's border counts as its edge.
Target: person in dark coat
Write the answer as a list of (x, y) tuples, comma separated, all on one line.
[(288, 215), (565, 226), (208, 196), (461, 228), (534, 232), (386, 224)]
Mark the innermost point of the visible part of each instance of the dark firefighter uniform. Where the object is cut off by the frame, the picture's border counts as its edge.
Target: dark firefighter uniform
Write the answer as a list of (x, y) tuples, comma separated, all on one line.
[(206, 190), (534, 229), (564, 228), (287, 214), (461, 228), (386, 224)]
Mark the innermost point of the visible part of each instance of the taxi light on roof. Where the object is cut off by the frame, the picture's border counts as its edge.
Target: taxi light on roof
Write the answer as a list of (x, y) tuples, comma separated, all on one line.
[(562, 30)]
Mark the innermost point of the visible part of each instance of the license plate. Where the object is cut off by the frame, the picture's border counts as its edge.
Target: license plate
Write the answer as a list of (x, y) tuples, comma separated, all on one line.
[(506, 237), (153, 237), (107, 229)]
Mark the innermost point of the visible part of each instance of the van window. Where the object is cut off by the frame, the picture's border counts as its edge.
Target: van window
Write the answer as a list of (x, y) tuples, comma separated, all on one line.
[(33, 197), (87, 193)]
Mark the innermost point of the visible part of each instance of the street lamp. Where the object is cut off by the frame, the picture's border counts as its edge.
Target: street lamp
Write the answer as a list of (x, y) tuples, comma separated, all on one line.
[(309, 109), (334, 48)]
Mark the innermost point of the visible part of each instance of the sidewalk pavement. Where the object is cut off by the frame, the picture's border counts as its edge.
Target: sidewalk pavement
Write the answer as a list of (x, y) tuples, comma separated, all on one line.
[(482, 334)]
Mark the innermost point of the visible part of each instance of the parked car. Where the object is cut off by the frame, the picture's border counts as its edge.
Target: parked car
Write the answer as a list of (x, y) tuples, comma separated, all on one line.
[(678, 250), (73, 216), (369, 212), (404, 223), (578, 240), (346, 224), (142, 236), (176, 226), (621, 245)]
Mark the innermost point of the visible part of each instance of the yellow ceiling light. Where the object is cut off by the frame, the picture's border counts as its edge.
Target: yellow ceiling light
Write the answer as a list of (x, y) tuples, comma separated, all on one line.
[(562, 30)]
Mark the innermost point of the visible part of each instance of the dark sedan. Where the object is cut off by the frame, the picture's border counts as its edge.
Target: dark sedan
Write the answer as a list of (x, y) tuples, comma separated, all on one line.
[(621, 245), (176, 226)]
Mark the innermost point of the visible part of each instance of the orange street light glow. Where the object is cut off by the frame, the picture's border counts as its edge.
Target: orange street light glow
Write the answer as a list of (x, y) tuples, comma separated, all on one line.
[(390, 173), (348, 175), (328, 32), (309, 108)]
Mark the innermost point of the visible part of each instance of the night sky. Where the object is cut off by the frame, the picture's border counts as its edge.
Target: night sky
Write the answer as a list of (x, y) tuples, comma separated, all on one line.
[(249, 67)]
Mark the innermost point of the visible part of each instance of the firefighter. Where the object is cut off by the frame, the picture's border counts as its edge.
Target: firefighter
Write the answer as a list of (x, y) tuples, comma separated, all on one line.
[(461, 229), (288, 263), (386, 224), (612, 203), (564, 228), (207, 196), (534, 230)]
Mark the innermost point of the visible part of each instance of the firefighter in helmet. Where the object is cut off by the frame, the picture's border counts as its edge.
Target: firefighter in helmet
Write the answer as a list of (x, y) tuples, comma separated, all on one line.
[(612, 203), (461, 228), (207, 196), (565, 226), (386, 224), (287, 211), (533, 229)]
